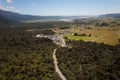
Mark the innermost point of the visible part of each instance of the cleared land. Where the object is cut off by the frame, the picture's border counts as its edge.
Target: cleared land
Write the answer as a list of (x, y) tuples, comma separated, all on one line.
[(106, 30), (107, 35)]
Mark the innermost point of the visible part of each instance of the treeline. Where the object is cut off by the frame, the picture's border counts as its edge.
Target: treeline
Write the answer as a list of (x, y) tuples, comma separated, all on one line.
[(89, 61), (23, 57), (46, 32)]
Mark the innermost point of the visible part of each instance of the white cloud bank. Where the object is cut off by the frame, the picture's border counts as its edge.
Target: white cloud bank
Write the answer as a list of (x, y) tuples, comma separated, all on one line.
[(9, 1), (9, 8)]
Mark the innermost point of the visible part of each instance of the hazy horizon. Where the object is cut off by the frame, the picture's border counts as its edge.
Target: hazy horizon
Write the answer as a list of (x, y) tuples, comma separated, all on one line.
[(61, 7)]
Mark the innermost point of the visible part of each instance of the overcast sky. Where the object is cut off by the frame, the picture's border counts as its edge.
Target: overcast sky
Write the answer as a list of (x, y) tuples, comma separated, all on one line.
[(61, 7)]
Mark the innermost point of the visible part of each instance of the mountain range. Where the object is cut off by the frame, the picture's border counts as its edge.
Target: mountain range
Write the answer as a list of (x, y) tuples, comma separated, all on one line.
[(7, 16), (20, 17), (116, 15)]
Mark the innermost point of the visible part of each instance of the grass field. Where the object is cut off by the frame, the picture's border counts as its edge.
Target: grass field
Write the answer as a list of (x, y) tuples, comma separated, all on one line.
[(107, 35), (72, 37)]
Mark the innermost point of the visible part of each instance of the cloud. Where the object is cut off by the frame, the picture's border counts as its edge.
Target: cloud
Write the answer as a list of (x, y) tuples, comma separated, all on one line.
[(9, 8), (18, 11), (9, 1)]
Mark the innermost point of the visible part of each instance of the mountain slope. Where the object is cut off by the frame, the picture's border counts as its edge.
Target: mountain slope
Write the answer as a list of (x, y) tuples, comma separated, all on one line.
[(117, 15), (19, 17), (3, 20)]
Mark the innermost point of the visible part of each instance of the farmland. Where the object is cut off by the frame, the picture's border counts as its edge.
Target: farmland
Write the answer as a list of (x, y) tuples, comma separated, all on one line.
[(100, 31)]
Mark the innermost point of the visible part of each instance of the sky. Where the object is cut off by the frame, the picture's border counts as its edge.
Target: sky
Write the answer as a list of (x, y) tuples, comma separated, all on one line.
[(61, 7)]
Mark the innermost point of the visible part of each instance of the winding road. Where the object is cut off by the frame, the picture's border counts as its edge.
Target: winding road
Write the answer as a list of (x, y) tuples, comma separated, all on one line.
[(62, 44), (57, 69)]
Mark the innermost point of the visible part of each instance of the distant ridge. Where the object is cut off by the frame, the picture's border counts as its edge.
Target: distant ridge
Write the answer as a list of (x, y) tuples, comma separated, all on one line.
[(116, 15), (7, 16), (12, 16)]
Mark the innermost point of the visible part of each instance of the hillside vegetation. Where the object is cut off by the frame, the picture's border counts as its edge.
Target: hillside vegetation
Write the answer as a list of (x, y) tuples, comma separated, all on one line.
[(89, 61), (23, 57)]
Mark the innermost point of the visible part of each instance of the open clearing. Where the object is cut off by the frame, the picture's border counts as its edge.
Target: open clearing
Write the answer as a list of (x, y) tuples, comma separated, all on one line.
[(106, 35), (72, 37)]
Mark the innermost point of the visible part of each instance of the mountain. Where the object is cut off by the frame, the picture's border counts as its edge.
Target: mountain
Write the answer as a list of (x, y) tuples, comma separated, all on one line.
[(12, 16), (117, 15), (3, 20)]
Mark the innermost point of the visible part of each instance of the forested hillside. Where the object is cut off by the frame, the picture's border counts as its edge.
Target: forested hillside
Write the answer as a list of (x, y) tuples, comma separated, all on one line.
[(23, 57), (89, 61)]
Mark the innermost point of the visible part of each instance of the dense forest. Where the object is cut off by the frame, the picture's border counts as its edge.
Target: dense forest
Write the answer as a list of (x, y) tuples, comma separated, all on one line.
[(23, 57), (89, 61)]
